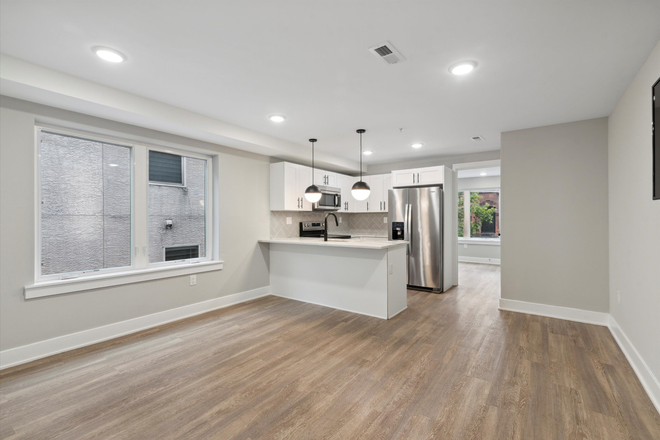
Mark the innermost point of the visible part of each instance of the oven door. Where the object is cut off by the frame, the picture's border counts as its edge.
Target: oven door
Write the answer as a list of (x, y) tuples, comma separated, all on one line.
[(330, 201)]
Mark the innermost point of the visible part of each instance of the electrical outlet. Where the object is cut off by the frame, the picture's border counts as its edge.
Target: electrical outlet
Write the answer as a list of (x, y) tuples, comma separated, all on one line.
[(391, 269), (385, 220), (288, 220), (193, 280), (618, 296), (339, 219), (465, 246)]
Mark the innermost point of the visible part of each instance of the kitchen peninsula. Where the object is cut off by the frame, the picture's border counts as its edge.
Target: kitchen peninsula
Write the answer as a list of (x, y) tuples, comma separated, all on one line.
[(366, 276)]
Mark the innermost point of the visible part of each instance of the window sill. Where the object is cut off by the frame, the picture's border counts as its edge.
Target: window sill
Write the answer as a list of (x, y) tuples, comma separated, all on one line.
[(59, 287), (480, 241)]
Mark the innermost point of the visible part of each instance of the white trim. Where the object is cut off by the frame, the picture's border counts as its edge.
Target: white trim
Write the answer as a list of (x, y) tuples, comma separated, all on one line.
[(480, 241), (567, 313), (38, 350), (479, 260), (58, 287), (644, 374)]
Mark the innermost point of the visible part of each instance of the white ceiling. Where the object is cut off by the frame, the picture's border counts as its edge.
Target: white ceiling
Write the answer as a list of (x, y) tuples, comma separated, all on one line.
[(476, 172), (540, 63)]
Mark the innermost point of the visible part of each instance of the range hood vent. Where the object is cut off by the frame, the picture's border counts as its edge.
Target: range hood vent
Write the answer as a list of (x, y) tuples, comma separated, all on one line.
[(386, 52)]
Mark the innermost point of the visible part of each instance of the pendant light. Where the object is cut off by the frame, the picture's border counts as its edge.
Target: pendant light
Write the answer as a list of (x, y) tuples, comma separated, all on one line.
[(360, 189), (312, 193)]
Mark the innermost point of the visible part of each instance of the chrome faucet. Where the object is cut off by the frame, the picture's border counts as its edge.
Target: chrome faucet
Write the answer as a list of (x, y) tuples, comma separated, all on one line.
[(325, 230)]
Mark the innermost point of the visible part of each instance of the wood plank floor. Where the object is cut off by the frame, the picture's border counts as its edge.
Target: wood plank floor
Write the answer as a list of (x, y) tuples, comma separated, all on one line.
[(450, 367)]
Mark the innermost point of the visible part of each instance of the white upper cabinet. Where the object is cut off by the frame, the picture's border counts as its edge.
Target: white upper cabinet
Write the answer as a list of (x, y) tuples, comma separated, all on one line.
[(376, 196), (418, 176), (288, 182), (325, 178), (304, 181), (345, 183)]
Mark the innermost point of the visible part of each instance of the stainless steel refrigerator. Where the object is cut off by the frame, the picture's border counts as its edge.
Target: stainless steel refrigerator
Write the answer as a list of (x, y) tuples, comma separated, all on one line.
[(415, 215)]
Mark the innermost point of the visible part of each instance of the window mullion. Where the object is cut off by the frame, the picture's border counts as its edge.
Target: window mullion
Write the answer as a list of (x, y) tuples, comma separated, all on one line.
[(141, 203)]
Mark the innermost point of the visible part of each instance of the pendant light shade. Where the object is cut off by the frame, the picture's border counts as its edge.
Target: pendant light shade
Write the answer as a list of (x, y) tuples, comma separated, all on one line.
[(312, 193), (360, 190)]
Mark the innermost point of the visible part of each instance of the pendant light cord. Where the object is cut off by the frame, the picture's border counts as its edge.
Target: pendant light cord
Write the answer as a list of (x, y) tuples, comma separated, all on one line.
[(312, 163), (360, 157)]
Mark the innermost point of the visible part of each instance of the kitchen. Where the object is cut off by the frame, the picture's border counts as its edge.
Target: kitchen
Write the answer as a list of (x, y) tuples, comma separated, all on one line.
[(407, 250)]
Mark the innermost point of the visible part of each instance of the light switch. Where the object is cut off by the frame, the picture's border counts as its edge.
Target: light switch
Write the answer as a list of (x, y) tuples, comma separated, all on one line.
[(465, 246), (288, 220), (385, 220)]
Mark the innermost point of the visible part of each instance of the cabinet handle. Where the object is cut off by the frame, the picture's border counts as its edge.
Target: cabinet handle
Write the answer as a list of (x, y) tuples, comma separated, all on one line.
[(367, 206)]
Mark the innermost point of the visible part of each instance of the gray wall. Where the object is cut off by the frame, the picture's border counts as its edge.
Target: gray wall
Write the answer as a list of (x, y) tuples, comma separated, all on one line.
[(244, 218), (635, 218), (382, 168), (554, 240), (478, 250)]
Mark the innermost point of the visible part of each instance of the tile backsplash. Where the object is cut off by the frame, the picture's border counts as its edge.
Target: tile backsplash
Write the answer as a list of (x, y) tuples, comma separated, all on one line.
[(351, 223)]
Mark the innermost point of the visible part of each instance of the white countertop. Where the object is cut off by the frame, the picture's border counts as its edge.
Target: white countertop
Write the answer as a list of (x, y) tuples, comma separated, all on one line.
[(356, 242)]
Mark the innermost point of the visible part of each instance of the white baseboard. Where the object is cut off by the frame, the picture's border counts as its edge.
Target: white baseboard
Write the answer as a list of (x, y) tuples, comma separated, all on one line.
[(479, 260), (567, 313), (49, 347), (644, 373)]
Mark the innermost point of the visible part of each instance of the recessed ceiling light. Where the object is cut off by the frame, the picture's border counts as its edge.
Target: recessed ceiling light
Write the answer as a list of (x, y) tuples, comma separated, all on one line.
[(276, 118), (113, 165), (418, 145), (463, 67), (483, 174), (108, 54), (368, 153)]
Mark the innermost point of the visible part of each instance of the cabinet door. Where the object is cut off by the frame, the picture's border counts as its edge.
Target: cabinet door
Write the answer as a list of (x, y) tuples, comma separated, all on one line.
[(291, 194), (376, 196), (429, 176), (331, 178), (387, 186), (304, 180), (402, 178), (319, 177)]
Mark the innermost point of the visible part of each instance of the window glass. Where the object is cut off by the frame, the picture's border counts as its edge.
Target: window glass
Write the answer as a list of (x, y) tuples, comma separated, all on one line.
[(177, 214), (484, 220), (85, 204), (461, 213)]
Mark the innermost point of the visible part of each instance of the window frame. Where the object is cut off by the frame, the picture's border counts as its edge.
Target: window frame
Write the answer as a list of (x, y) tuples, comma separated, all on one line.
[(139, 188)]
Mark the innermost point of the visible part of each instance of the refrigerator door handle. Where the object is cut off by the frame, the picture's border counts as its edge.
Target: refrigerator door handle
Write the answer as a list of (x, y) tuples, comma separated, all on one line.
[(409, 227)]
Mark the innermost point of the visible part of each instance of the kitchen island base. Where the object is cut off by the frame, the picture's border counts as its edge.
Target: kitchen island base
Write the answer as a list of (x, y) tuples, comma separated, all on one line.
[(361, 280)]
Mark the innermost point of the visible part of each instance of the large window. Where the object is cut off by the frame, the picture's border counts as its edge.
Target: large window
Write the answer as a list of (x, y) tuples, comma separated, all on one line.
[(478, 214), (111, 206), (85, 205)]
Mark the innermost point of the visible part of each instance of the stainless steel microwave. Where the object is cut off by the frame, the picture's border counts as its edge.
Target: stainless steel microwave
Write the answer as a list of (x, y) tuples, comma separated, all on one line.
[(330, 199)]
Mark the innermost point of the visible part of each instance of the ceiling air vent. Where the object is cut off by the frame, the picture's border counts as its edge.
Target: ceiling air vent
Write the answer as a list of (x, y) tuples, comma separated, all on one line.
[(386, 52), (477, 138)]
